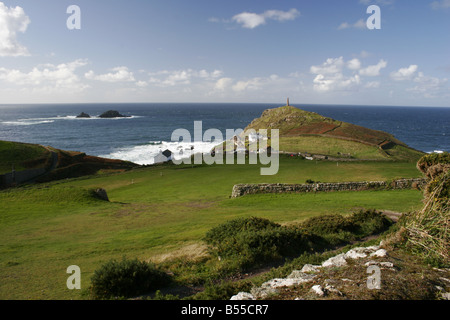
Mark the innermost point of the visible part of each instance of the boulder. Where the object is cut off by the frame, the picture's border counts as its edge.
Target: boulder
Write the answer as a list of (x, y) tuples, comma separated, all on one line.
[(379, 253), (112, 114), (310, 268), (336, 261), (317, 289), (101, 194), (83, 115), (243, 296)]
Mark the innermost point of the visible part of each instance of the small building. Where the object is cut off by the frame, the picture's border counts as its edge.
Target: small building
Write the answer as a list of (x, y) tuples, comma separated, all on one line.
[(163, 156)]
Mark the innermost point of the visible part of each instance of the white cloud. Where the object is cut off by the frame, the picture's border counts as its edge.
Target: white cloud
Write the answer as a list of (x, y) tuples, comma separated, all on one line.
[(12, 21), (252, 84), (354, 64), (332, 65), (61, 74), (404, 73), (170, 78), (442, 4), (223, 83), (330, 76), (360, 24), (141, 84), (252, 20), (249, 20), (429, 87), (118, 74), (47, 78), (372, 85), (374, 70), (336, 82)]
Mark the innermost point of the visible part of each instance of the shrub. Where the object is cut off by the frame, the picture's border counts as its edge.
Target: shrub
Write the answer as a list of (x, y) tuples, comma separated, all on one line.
[(327, 224), (430, 160), (367, 222), (223, 290), (251, 241), (427, 230), (126, 278), (231, 228)]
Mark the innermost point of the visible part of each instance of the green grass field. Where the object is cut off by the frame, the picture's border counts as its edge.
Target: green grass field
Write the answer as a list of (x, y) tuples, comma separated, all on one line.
[(158, 211), (330, 146)]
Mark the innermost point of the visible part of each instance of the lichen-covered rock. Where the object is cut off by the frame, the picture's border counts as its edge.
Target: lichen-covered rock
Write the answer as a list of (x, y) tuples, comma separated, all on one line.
[(381, 253), (243, 296), (336, 261), (310, 268), (317, 289)]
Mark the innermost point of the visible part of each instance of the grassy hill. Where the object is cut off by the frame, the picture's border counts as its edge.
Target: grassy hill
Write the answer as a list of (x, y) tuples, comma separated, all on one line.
[(22, 156), (308, 132), (59, 164)]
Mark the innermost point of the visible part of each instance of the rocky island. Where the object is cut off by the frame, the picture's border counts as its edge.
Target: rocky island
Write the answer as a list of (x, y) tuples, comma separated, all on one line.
[(83, 115), (113, 114)]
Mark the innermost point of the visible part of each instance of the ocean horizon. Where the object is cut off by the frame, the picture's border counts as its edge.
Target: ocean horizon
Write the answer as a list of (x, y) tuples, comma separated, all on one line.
[(148, 129)]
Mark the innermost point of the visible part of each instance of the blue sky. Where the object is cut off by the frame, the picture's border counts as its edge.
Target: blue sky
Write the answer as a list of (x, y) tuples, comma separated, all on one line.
[(318, 52)]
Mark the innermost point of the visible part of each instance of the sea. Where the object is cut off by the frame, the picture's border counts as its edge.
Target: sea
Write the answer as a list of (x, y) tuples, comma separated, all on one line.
[(149, 126)]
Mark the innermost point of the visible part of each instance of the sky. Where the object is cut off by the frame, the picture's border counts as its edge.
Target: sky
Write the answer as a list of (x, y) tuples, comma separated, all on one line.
[(256, 51)]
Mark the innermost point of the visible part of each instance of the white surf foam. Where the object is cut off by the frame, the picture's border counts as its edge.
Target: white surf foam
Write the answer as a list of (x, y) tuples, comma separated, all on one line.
[(27, 122), (145, 154)]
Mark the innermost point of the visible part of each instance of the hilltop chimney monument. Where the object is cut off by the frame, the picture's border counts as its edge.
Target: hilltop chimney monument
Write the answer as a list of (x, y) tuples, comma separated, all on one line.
[(288, 102)]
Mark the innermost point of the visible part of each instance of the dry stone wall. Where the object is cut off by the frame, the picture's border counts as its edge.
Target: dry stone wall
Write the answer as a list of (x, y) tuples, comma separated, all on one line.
[(240, 190)]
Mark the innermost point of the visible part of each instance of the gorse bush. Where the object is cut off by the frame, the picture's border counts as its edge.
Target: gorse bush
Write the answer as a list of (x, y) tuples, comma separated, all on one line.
[(248, 242), (126, 278), (234, 227), (368, 222), (427, 230), (251, 241), (327, 224)]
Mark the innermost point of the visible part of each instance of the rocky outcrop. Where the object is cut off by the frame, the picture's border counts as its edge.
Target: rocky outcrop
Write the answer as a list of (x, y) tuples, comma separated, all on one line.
[(328, 281), (83, 115), (112, 114), (240, 190), (306, 275)]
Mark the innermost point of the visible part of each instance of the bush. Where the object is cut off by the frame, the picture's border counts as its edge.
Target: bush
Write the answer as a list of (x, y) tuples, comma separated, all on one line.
[(365, 223), (251, 241), (427, 230), (433, 159), (223, 290), (126, 278), (327, 224), (248, 242), (231, 228)]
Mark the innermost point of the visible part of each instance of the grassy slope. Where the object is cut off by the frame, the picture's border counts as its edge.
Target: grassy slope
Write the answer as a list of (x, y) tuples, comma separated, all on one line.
[(70, 164), (18, 154), (303, 131), (158, 210)]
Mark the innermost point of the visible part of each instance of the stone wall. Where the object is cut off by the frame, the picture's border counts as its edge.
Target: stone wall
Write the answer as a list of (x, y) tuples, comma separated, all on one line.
[(240, 190), (18, 177)]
